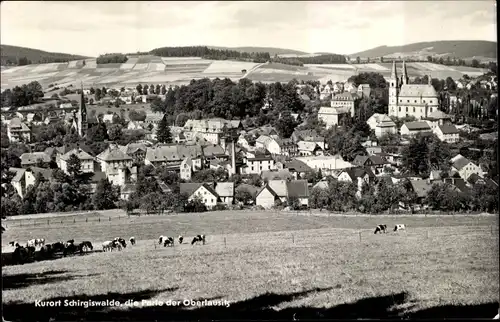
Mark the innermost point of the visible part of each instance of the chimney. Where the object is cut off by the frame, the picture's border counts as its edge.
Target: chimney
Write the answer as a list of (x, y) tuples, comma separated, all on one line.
[(233, 158)]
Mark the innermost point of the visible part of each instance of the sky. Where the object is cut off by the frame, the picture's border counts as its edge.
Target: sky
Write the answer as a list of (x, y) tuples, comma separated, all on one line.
[(341, 27)]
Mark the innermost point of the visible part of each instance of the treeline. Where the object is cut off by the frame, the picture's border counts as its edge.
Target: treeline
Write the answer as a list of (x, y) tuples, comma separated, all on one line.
[(384, 196), (14, 55), (209, 53), (375, 80), (22, 95), (321, 59), (112, 59)]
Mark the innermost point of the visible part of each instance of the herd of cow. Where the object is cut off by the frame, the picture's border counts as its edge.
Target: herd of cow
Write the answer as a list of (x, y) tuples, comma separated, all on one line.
[(23, 253), (383, 228)]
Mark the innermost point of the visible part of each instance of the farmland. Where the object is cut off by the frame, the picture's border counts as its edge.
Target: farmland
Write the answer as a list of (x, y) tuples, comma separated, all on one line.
[(267, 264), (180, 70)]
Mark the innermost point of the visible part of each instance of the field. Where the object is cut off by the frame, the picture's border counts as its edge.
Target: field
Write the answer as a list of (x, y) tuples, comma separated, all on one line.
[(178, 70), (266, 264)]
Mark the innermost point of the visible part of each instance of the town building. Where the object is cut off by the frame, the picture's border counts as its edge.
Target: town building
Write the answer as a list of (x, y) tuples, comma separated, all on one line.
[(381, 124), (17, 131), (417, 100), (464, 167), (213, 130), (86, 160), (411, 129), (279, 191), (447, 133)]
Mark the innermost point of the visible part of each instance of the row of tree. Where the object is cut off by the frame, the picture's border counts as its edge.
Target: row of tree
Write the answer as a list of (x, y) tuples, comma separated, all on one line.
[(23, 95), (211, 53), (115, 58)]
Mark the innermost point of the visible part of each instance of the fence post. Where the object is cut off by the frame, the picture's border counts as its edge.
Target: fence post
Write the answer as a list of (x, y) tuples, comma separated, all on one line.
[(48, 221), (73, 220), (224, 242), (427, 234), (99, 219), (293, 239), (61, 221), (87, 219), (359, 236), (109, 218)]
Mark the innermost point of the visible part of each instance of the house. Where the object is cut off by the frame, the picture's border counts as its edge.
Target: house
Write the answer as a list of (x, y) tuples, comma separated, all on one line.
[(381, 124), (338, 87), (476, 179), (358, 176), (364, 90), (308, 148), (117, 165), (127, 190), (136, 150), (86, 160), (24, 178), (437, 118), (135, 125), (464, 167), (34, 158), (283, 190), (19, 181), (225, 191), (212, 130), (258, 163), (298, 168), (346, 101), (413, 128), (447, 133), (327, 164), (17, 131), (269, 143), (421, 189), (173, 155), (372, 150), (332, 116), (283, 174), (186, 169), (374, 162)]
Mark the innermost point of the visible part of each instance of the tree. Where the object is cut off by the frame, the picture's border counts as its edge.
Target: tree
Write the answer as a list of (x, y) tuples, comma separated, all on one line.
[(475, 63), (106, 196), (98, 133), (115, 132), (163, 133), (243, 196), (157, 89), (139, 89), (163, 90), (98, 94), (358, 60), (74, 166), (285, 125)]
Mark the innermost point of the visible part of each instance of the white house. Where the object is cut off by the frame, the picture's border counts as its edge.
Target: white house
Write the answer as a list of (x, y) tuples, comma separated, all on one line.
[(465, 167), (283, 190), (18, 131), (447, 133), (332, 116), (200, 191), (268, 143), (86, 160), (413, 128), (259, 163), (327, 164), (381, 124)]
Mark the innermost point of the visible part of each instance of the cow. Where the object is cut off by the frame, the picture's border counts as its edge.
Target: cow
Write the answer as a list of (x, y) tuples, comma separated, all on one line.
[(161, 239), (46, 250), (71, 248), (13, 243), (169, 241), (399, 227), (180, 238), (85, 246), (57, 247), (20, 254), (197, 239), (120, 241), (40, 242), (108, 245), (32, 242), (380, 229), (132, 240)]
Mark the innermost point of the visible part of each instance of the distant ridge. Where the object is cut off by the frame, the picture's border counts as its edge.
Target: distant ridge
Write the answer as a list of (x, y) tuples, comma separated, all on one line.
[(463, 49), (271, 50), (12, 54)]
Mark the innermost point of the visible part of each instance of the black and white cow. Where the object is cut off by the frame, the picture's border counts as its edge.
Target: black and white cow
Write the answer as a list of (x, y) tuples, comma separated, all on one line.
[(13, 243), (40, 242), (108, 245), (31, 243), (381, 229), (168, 241), (85, 246), (57, 247), (198, 239), (180, 238), (132, 241), (399, 227), (161, 239)]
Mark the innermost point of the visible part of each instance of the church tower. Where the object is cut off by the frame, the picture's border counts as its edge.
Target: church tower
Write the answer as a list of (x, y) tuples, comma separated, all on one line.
[(82, 115), (405, 79), (393, 91)]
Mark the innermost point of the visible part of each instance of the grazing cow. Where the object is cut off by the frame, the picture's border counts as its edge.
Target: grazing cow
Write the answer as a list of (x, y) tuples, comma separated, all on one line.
[(121, 242), (380, 229), (169, 241), (116, 245), (57, 247), (180, 238), (132, 241), (198, 239), (13, 243), (31, 250), (20, 254), (86, 246), (160, 240), (46, 250), (108, 245), (399, 227), (71, 248)]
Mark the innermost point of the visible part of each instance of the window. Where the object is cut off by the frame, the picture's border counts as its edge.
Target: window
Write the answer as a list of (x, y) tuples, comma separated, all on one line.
[(415, 101), (212, 200), (413, 109), (400, 108), (424, 101), (407, 109), (407, 101)]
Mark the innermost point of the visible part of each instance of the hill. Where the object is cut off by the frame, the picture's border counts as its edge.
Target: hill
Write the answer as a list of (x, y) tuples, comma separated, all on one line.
[(271, 50), (463, 49), (10, 55)]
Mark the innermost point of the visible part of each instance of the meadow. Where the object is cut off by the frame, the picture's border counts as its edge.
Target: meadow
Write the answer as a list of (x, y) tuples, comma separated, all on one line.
[(267, 264)]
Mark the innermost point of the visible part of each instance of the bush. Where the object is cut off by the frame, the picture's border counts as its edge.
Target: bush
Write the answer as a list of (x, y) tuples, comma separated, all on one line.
[(220, 206)]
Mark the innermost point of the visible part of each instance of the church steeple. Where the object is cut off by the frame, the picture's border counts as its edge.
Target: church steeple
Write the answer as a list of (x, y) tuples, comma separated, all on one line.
[(394, 73), (405, 74), (82, 115)]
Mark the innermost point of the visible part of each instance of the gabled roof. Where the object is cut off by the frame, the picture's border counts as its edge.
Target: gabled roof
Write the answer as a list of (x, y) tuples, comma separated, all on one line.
[(307, 146), (385, 121), (32, 158), (438, 115), (82, 155), (133, 147), (279, 187), (113, 153), (19, 173), (421, 187), (213, 150), (298, 166), (460, 163), (298, 189), (417, 90), (173, 152), (224, 189), (272, 174), (190, 188), (333, 110), (358, 172), (375, 159), (448, 129), (417, 126), (321, 185)]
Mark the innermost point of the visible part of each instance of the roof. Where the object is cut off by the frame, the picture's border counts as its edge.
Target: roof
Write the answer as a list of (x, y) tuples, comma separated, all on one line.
[(32, 158), (438, 115), (279, 187), (113, 153), (460, 163), (224, 189), (385, 121), (273, 174), (333, 110), (298, 166), (358, 172), (173, 152), (375, 159), (448, 129), (345, 96), (16, 124), (213, 124), (306, 146), (133, 147), (421, 187), (253, 190), (19, 173), (213, 149), (417, 90), (190, 188), (82, 155), (321, 185), (417, 125), (298, 189)]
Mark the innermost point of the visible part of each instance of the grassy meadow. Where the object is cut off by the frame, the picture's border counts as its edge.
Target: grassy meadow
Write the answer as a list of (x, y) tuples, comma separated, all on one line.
[(266, 264)]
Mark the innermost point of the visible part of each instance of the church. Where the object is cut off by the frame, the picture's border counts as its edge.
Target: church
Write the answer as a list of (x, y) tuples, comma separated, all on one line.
[(80, 122), (417, 100)]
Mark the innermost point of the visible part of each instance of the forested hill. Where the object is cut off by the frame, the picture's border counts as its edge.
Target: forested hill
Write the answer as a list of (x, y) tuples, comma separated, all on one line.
[(463, 49), (14, 55)]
